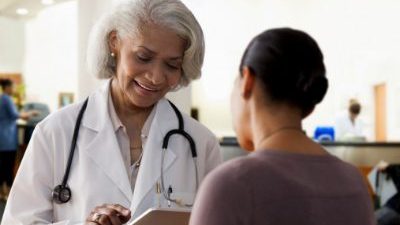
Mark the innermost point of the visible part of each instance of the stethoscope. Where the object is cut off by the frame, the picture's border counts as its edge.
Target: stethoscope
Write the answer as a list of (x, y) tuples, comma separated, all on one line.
[(62, 193)]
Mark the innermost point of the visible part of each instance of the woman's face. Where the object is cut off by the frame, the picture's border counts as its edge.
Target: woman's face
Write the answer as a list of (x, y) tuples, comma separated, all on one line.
[(149, 65), (9, 89)]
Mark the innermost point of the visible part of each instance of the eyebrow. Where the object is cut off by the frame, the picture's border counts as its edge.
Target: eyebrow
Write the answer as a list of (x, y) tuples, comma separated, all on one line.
[(153, 52)]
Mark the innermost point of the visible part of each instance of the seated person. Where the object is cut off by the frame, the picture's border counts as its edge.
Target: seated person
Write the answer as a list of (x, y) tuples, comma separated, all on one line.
[(288, 179)]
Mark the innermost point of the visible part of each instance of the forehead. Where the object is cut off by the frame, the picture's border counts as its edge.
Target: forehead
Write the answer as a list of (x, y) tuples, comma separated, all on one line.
[(159, 40)]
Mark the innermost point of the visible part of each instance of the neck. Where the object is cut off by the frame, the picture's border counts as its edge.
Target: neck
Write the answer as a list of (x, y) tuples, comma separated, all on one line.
[(6, 92), (263, 142), (353, 118), (268, 125)]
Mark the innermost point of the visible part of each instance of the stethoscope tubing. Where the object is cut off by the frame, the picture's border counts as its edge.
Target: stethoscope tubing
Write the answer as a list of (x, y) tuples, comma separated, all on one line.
[(58, 190), (73, 142), (163, 189)]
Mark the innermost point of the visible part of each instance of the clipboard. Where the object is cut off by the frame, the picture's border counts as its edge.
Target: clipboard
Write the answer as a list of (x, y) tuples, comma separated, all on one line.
[(163, 216)]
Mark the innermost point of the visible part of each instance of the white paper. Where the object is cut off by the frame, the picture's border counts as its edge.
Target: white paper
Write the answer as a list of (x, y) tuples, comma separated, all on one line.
[(386, 188)]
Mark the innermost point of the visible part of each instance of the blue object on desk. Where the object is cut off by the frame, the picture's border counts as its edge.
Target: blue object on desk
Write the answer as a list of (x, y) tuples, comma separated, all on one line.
[(325, 133)]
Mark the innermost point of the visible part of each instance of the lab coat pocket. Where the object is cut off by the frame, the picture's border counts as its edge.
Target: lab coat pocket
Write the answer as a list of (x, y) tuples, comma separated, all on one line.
[(183, 198)]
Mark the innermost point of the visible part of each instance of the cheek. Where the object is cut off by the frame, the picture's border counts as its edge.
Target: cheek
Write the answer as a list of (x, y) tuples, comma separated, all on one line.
[(173, 80), (124, 69), (240, 121)]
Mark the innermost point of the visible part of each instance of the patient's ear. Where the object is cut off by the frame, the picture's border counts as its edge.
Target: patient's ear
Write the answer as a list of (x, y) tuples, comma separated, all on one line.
[(247, 83)]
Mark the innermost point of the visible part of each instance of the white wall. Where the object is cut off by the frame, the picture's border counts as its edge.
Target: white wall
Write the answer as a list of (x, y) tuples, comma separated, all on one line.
[(51, 53), (227, 29), (11, 45), (360, 40), (88, 13)]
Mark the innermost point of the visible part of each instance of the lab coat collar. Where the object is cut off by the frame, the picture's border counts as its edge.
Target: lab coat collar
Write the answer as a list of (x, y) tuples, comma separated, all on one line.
[(97, 109), (104, 148)]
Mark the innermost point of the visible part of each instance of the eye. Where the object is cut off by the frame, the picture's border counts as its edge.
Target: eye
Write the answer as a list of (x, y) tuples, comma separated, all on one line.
[(143, 58), (173, 66)]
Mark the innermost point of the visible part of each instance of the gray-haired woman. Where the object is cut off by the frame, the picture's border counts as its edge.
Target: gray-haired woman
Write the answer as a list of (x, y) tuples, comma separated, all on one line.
[(119, 168)]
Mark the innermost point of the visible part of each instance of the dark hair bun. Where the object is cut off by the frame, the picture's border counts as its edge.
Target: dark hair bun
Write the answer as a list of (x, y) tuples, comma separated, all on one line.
[(290, 65), (313, 90)]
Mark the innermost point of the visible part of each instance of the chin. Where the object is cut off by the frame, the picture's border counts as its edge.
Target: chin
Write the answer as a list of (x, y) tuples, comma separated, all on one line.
[(249, 148), (246, 144), (142, 102)]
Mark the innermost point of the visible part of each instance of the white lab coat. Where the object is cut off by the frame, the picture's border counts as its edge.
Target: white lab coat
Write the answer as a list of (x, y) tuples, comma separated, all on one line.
[(98, 174), (346, 130)]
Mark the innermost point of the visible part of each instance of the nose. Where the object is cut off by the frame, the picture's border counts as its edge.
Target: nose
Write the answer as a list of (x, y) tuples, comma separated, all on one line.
[(156, 75)]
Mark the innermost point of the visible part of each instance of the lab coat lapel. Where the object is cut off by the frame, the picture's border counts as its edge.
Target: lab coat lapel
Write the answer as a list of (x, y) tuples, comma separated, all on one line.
[(104, 148), (150, 170)]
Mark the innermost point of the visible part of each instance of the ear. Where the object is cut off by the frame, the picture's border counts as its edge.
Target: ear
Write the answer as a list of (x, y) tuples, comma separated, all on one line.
[(247, 83), (113, 41)]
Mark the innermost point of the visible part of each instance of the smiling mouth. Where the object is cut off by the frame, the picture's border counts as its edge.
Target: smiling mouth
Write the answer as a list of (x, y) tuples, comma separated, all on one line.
[(145, 87)]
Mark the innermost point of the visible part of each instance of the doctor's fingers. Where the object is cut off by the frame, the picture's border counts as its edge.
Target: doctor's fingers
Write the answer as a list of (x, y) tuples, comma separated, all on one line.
[(109, 214), (124, 214), (96, 218), (119, 208)]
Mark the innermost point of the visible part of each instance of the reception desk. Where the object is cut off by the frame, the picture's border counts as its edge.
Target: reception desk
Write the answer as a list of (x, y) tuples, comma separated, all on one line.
[(362, 154), (366, 153)]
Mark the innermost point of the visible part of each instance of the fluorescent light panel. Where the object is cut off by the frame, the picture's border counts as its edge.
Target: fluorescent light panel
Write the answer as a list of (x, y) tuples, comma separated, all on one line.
[(47, 2), (22, 11)]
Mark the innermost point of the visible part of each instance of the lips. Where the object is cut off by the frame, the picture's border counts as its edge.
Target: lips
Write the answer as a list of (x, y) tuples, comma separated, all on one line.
[(147, 87)]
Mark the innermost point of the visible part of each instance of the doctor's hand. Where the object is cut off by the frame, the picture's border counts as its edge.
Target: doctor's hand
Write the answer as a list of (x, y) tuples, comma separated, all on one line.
[(108, 214)]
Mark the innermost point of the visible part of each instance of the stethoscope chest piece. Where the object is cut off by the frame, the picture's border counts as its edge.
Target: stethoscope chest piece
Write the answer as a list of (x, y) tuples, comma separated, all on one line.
[(61, 194)]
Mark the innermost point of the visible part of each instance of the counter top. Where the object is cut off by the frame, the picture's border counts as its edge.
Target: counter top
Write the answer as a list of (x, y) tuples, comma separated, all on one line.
[(366, 144), (231, 141), (357, 153)]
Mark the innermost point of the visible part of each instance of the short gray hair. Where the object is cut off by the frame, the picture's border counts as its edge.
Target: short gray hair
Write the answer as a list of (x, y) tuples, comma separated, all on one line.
[(130, 17)]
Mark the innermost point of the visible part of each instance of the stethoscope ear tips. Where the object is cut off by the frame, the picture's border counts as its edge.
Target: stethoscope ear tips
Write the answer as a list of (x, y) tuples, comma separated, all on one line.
[(61, 194)]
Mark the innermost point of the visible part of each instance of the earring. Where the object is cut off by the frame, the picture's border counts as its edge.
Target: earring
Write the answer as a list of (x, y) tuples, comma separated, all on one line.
[(111, 61)]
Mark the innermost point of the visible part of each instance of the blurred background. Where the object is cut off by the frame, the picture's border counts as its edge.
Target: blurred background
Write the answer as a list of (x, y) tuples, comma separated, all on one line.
[(43, 44)]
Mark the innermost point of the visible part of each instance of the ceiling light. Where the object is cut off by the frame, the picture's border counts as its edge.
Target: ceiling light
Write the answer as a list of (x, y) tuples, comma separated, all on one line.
[(22, 11), (47, 2)]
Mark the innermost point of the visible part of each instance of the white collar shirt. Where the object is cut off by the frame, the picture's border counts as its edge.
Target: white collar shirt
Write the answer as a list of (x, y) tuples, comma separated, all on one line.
[(123, 139)]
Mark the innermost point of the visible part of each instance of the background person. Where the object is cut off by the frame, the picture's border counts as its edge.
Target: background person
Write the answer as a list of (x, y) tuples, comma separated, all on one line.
[(8, 135), (145, 48), (289, 179), (349, 126)]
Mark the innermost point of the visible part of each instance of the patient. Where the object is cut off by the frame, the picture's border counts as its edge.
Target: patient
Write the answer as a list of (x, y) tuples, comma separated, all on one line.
[(288, 179)]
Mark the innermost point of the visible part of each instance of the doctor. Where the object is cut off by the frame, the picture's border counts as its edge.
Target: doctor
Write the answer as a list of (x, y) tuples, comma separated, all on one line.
[(146, 48), (349, 126)]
